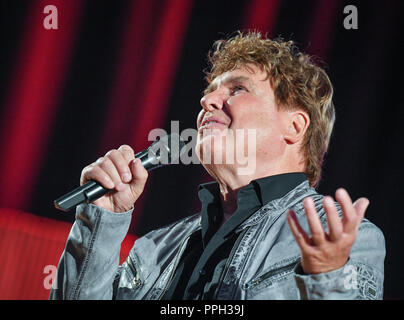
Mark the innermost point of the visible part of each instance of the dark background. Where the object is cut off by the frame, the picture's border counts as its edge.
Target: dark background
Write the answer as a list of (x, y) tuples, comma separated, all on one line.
[(114, 70)]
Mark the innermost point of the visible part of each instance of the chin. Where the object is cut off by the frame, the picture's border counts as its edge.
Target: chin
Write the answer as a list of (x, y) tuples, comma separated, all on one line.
[(210, 150)]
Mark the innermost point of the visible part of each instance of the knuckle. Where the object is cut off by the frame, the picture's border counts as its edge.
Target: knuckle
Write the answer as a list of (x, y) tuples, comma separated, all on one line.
[(298, 236), (85, 173), (125, 148), (111, 153), (317, 236), (89, 170), (86, 169), (99, 161), (95, 170), (118, 159), (127, 152), (104, 162), (100, 175)]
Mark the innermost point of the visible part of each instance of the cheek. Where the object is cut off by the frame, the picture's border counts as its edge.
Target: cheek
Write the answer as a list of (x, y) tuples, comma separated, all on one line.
[(249, 113), (269, 134), (270, 142), (261, 116)]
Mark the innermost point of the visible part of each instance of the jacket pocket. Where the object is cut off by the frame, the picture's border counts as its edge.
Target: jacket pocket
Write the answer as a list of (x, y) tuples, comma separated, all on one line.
[(276, 283), (131, 277)]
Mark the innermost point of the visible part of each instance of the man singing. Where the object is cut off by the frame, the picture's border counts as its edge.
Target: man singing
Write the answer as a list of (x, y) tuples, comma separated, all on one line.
[(263, 235)]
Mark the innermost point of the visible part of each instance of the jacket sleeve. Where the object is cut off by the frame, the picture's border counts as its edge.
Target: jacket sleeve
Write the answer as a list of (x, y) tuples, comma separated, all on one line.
[(89, 264), (360, 278)]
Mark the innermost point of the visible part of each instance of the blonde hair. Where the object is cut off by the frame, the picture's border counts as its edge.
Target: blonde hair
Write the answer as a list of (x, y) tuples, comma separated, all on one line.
[(298, 83)]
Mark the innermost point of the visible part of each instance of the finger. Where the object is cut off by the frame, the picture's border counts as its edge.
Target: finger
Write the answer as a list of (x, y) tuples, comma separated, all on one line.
[(299, 234), (139, 173), (317, 231), (93, 172), (349, 218), (106, 164), (334, 222), (121, 165), (360, 206), (127, 153)]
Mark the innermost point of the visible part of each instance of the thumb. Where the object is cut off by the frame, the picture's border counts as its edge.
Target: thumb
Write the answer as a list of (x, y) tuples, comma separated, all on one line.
[(139, 176)]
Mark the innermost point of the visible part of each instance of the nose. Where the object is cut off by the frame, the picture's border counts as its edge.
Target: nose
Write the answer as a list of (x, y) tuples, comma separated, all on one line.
[(213, 100)]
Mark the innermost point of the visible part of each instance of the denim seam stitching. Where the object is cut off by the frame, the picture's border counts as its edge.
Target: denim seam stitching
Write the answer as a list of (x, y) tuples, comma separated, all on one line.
[(76, 290)]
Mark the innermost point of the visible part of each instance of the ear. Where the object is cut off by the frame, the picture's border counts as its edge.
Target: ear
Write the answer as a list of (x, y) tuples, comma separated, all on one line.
[(297, 122)]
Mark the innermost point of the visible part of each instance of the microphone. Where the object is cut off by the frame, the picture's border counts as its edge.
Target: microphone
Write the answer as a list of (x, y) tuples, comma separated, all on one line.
[(164, 151)]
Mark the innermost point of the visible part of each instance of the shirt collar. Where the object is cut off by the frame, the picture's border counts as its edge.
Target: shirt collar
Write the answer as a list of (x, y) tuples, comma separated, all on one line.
[(267, 188), (250, 197), (275, 187)]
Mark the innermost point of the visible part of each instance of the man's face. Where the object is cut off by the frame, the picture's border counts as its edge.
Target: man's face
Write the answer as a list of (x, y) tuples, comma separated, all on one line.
[(241, 99)]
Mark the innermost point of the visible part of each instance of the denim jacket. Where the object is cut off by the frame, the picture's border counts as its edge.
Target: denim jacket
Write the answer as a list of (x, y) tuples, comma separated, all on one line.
[(265, 264)]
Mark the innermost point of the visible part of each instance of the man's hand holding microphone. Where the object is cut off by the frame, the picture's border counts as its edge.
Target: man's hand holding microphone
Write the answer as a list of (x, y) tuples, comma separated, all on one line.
[(121, 172)]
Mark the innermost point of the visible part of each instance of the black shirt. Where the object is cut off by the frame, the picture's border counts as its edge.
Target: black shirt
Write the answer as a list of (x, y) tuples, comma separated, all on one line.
[(200, 269)]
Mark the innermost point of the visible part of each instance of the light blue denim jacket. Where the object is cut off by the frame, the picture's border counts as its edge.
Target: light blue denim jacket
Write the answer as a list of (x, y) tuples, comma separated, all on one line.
[(264, 265)]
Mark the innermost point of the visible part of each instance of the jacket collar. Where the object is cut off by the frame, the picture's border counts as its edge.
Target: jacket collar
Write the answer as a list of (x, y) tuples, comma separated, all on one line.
[(280, 205)]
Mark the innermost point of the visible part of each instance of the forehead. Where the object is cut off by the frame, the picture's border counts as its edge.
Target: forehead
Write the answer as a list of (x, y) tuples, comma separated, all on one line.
[(250, 75)]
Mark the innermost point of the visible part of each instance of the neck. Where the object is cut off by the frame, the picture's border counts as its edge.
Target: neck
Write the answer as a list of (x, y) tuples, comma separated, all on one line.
[(230, 183), (228, 199)]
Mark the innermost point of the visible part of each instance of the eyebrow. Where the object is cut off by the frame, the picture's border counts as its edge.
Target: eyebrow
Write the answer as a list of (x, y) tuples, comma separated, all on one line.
[(229, 80)]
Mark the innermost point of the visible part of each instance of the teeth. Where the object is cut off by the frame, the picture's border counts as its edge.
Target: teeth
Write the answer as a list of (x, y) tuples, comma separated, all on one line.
[(210, 122)]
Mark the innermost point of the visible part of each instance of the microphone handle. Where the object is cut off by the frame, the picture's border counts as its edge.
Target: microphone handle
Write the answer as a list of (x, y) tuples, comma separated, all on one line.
[(88, 192), (93, 190)]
